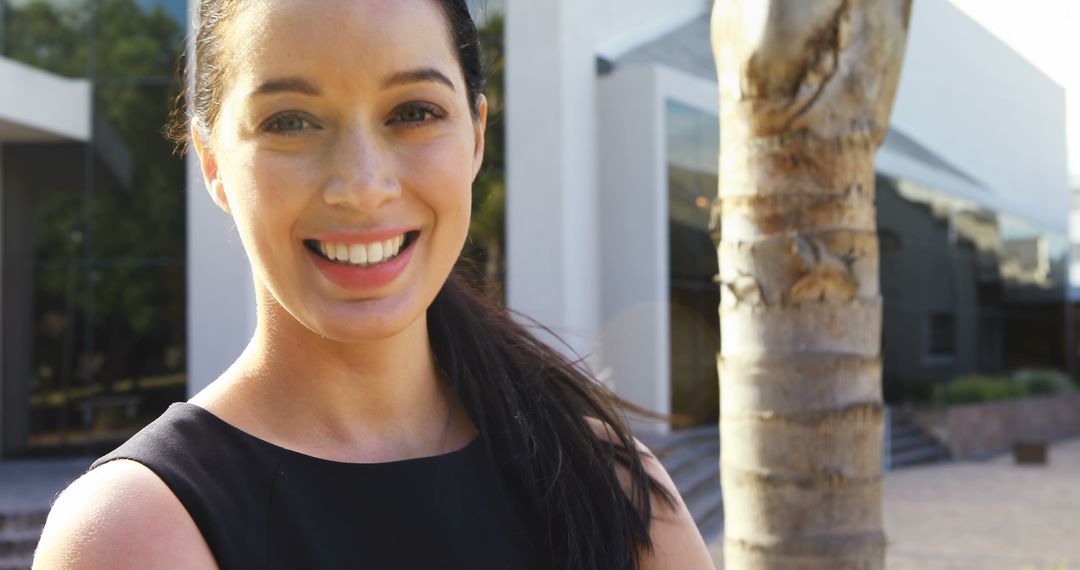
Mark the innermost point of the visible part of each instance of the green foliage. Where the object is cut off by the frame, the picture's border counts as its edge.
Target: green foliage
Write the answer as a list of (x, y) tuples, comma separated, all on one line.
[(1044, 382), (46, 36), (123, 235), (487, 231), (977, 388)]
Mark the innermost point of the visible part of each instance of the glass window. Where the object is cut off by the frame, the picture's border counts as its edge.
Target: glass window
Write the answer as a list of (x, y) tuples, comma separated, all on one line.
[(976, 291), (94, 232), (693, 146), (50, 35)]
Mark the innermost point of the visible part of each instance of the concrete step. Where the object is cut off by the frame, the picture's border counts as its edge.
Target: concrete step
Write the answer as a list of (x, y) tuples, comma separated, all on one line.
[(663, 443), (706, 502), (18, 543), (913, 441), (703, 472), (16, 562), (919, 456), (677, 460), (900, 428), (910, 445), (23, 519), (712, 524)]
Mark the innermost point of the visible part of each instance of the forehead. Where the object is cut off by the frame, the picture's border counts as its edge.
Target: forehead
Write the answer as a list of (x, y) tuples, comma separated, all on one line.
[(342, 42)]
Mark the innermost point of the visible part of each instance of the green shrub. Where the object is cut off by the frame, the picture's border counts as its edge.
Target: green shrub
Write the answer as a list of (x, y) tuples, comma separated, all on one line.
[(979, 388), (976, 389), (1044, 382)]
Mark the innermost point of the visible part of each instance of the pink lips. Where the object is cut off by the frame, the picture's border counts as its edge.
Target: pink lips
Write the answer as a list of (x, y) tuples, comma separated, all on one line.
[(362, 278)]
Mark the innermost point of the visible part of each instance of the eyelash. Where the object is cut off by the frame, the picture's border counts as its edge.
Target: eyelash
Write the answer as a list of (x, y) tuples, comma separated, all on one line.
[(427, 108), (273, 125)]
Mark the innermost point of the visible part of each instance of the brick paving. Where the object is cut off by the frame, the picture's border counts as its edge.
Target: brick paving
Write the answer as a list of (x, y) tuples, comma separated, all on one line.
[(983, 515)]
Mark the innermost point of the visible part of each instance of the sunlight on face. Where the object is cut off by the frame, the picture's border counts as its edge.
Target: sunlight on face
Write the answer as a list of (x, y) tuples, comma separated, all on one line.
[(345, 131)]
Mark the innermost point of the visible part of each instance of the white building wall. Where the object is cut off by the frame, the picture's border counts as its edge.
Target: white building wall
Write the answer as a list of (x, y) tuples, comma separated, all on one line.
[(620, 25), (221, 295), (975, 103), (44, 107), (221, 292), (551, 167), (552, 185), (634, 304)]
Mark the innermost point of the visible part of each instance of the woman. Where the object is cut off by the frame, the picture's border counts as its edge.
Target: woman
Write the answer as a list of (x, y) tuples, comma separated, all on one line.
[(383, 415)]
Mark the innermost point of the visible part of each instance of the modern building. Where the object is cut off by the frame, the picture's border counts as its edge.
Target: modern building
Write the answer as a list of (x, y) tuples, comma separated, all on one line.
[(124, 288), (612, 169)]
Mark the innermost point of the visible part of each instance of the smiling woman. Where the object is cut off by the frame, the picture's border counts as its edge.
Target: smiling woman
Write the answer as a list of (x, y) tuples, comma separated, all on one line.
[(383, 414)]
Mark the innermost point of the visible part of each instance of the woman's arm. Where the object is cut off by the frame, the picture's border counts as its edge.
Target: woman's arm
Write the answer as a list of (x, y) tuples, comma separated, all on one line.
[(120, 516), (677, 543)]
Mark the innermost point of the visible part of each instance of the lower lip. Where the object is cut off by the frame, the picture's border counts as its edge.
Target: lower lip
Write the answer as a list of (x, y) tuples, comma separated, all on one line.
[(363, 278)]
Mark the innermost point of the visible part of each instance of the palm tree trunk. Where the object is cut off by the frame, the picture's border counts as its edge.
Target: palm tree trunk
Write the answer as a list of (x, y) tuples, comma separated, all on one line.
[(806, 88)]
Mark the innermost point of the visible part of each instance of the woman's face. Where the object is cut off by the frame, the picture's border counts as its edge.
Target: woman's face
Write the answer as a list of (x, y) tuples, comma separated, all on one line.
[(345, 152)]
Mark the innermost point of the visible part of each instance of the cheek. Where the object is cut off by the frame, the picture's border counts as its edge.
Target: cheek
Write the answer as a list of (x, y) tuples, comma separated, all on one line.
[(268, 192), (442, 177)]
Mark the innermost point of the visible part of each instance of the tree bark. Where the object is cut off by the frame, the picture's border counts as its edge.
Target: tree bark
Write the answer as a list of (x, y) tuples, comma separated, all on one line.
[(806, 88)]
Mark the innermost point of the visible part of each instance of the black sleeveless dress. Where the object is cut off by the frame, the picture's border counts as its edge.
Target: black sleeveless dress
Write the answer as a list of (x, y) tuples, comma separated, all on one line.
[(259, 505)]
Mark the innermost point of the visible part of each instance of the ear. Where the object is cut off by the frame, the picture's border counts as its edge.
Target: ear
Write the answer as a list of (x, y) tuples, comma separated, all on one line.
[(209, 165), (481, 129)]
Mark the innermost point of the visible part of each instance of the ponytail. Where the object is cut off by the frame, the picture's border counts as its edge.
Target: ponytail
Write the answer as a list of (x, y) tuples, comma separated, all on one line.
[(530, 403)]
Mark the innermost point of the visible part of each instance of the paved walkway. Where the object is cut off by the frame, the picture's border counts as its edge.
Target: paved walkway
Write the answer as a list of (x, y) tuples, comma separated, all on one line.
[(987, 515)]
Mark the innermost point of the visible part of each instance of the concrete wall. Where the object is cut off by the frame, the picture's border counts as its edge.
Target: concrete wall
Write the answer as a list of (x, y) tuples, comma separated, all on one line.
[(221, 294), (973, 102), (45, 107), (551, 116), (619, 25), (977, 431), (551, 200), (634, 240)]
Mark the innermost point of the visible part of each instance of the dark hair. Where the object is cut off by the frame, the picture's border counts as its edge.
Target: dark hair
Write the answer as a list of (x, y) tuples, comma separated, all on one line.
[(530, 402)]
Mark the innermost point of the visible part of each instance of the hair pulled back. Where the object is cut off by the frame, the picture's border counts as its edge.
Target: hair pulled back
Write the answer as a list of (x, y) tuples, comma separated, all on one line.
[(528, 400)]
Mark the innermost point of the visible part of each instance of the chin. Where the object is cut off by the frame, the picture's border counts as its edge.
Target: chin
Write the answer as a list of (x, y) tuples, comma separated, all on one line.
[(366, 321)]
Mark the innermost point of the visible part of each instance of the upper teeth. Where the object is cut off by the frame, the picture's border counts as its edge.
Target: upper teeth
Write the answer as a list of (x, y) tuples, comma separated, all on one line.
[(362, 253)]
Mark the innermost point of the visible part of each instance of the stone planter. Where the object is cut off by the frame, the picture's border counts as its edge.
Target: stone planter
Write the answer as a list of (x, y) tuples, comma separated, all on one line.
[(974, 431)]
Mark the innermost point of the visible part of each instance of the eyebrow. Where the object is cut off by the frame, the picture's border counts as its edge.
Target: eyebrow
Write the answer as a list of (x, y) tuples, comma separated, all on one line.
[(418, 75), (286, 85), (304, 87)]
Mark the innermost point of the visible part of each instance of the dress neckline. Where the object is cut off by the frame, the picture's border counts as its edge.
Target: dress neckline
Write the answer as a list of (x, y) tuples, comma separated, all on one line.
[(427, 459)]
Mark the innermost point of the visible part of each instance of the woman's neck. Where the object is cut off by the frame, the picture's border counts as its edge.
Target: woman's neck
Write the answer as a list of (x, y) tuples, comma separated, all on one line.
[(379, 400)]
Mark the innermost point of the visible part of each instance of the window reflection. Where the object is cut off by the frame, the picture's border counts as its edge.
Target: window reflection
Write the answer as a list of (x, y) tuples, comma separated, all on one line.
[(94, 237), (966, 290), (693, 146)]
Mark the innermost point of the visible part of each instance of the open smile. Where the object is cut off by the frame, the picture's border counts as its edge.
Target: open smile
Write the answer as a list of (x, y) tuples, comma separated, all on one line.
[(362, 266), (362, 254)]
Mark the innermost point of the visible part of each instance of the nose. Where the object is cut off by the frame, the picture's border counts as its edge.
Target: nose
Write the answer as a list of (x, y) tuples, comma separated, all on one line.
[(362, 170)]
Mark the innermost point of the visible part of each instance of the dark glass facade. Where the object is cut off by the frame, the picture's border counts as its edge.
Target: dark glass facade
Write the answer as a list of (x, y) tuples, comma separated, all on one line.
[(966, 290), (693, 146), (94, 330)]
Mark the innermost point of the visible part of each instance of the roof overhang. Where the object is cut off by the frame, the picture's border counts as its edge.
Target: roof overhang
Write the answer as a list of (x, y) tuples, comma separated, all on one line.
[(38, 106)]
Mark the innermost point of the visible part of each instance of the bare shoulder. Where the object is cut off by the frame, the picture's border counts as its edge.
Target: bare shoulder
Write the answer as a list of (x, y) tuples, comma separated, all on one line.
[(120, 515), (677, 543)]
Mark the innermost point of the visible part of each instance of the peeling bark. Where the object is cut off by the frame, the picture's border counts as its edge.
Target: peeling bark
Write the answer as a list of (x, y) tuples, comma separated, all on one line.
[(806, 91)]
